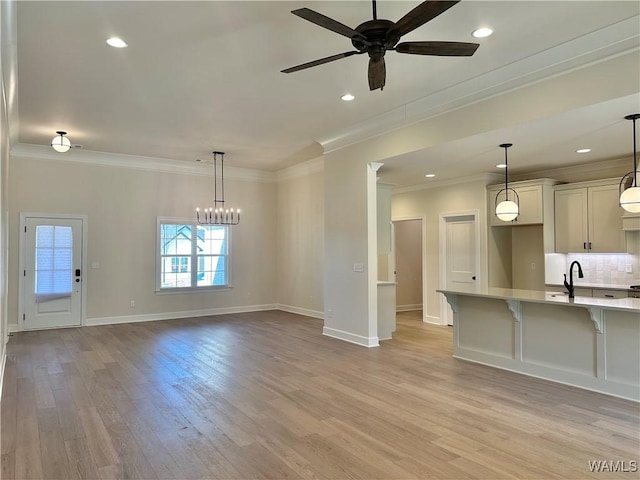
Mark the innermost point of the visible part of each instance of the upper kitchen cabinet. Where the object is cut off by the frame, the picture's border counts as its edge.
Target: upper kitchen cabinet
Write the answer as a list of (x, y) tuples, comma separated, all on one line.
[(588, 218), (535, 196)]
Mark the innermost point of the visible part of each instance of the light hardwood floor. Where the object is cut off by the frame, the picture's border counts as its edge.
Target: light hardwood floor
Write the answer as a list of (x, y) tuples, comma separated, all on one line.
[(265, 395)]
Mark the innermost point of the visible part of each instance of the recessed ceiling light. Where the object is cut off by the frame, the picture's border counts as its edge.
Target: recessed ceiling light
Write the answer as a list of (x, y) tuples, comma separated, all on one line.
[(347, 97), (430, 175), (117, 42), (501, 165), (481, 32), (583, 150)]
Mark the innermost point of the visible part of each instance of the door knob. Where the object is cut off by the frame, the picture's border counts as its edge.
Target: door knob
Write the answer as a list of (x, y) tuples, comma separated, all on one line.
[(473, 278)]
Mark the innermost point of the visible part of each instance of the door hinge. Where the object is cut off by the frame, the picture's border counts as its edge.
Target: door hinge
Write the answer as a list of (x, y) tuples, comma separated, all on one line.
[(24, 273), (25, 229), (24, 317)]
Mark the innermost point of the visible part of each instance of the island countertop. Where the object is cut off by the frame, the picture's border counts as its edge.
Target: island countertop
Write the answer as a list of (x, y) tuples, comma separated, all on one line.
[(560, 298)]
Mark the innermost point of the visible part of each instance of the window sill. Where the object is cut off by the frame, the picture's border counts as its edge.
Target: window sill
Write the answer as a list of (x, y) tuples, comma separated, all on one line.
[(183, 291)]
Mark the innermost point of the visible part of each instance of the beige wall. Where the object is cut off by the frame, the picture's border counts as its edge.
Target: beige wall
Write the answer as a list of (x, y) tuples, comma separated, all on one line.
[(408, 249), (300, 238), (122, 206), (432, 203), (8, 132), (527, 257)]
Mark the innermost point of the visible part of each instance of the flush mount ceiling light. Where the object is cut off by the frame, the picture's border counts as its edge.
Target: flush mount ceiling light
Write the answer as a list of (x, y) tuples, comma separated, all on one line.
[(430, 175), (347, 97), (507, 210), (583, 150), (501, 165), (482, 32), (60, 143), (218, 214), (117, 42), (629, 189)]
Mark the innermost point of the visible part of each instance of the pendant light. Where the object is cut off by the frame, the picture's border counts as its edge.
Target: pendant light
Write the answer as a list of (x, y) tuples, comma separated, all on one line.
[(630, 196), (218, 214), (507, 210), (60, 143)]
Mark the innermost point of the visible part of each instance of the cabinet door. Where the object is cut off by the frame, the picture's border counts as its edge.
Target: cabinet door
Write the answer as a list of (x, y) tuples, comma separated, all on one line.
[(530, 205), (571, 220), (605, 220)]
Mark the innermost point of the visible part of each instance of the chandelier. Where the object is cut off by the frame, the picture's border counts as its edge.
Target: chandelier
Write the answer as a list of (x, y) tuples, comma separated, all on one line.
[(628, 188), (218, 214)]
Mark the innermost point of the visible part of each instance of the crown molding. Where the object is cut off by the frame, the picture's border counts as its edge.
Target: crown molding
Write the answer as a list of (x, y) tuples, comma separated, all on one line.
[(134, 162), (595, 47)]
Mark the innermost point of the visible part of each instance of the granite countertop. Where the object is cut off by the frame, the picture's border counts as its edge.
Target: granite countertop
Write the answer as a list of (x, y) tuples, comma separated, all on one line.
[(536, 296)]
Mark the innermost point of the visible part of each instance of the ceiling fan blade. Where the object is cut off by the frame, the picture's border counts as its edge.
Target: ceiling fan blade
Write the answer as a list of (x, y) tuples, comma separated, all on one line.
[(422, 14), (326, 22), (446, 49), (321, 61), (377, 73)]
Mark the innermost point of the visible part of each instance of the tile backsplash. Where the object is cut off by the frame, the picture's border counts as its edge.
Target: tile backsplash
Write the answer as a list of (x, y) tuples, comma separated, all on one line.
[(602, 269)]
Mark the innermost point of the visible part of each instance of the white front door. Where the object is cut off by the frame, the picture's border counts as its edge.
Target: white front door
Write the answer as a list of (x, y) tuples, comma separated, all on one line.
[(52, 289)]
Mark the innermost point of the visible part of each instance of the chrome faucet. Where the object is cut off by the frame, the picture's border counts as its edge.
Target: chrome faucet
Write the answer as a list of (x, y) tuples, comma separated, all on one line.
[(569, 286)]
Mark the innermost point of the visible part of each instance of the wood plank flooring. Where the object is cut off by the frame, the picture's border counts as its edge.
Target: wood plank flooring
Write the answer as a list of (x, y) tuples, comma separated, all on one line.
[(265, 395)]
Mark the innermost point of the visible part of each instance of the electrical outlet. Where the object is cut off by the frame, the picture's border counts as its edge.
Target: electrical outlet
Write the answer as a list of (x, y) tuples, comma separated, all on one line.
[(133, 304), (628, 268), (533, 265), (358, 267)]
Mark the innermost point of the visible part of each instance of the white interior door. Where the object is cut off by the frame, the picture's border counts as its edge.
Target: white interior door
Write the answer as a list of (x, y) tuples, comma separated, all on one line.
[(461, 258), (52, 290), (461, 253)]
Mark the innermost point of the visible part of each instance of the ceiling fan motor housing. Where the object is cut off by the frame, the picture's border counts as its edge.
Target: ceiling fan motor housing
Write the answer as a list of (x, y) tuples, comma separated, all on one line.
[(377, 35)]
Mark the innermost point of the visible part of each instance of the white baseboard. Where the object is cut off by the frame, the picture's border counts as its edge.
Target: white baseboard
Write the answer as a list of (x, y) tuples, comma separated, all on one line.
[(408, 308), (150, 317), (433, 320), (351, 337), (301, 311)]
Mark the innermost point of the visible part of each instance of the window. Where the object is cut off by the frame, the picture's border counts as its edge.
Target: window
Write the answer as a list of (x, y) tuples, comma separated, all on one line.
[(192, 256)]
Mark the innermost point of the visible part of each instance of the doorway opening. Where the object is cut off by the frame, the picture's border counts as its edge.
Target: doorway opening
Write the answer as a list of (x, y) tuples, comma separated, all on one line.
[(409, 247)]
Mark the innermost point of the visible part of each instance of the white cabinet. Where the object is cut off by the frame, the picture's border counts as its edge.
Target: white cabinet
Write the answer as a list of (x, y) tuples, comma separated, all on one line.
[(536, 202), (588, 218)]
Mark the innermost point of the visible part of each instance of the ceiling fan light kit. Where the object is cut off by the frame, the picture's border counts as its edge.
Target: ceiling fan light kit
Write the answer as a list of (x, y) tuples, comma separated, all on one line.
[(507, 210), (628, 188), (376, 37), (60, 143), (218, 214)]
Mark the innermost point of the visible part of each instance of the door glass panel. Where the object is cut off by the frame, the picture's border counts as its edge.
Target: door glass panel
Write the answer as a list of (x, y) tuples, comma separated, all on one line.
[(54, 265)]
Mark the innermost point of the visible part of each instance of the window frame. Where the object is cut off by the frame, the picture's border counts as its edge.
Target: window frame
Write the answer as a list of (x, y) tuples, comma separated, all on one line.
[(194, 259)]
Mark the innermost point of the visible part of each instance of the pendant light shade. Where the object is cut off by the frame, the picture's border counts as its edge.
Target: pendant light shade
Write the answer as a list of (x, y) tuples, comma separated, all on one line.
[(629, 189), (60, 143), (508, 209)]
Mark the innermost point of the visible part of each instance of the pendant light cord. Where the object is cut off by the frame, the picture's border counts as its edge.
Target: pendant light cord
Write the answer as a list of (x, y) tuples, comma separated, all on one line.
[(635, 154)]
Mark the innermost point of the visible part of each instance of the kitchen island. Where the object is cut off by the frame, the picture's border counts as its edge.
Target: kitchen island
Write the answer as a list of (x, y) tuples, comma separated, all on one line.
[(592, 343)]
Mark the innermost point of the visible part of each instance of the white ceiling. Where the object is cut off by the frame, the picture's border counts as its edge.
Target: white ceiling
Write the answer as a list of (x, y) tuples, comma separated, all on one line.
[(203, 76)]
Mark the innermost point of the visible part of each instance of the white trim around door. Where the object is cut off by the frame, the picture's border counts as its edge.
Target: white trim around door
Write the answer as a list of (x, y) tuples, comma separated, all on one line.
[(23, 257), (446, 315)]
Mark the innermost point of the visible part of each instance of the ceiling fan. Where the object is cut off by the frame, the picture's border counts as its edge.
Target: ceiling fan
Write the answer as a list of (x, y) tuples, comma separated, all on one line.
[(375, 37)]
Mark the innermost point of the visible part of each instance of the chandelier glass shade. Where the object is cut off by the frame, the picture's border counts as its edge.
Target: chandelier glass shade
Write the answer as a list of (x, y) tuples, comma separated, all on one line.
[(508, 209), (628, 188), (60, 143), (218, 214)]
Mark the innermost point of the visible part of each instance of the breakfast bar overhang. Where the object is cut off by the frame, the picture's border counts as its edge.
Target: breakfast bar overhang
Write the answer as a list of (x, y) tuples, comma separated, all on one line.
[(591, 343)]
